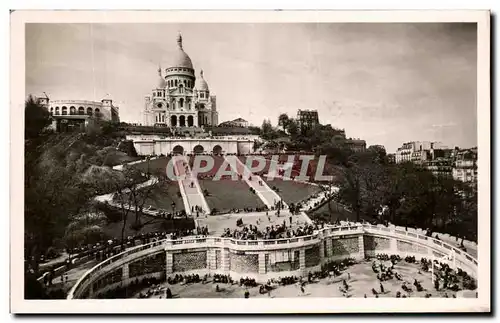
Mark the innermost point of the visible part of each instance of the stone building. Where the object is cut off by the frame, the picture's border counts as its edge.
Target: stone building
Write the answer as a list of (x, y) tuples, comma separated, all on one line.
[(179, 99), (465, 165), (307, 119), (77, 115)]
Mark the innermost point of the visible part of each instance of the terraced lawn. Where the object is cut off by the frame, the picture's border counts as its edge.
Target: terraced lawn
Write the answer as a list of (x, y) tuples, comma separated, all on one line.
[(291, 191), (227, 194)]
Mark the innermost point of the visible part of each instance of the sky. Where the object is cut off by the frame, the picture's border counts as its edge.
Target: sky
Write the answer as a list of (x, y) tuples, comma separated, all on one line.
[(384, 83)]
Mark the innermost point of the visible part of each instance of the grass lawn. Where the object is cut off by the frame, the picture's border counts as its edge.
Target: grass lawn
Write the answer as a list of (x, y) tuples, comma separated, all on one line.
[(159, 164), (291, 191), (151, 224), (228, 194), (163, 197), (338, 213)]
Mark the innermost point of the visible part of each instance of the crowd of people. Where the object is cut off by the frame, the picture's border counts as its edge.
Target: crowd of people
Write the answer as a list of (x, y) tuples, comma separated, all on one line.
[(283, 231), (184, 279)]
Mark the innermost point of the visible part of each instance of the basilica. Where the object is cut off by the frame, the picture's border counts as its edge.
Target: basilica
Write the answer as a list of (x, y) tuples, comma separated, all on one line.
[(179, 98)]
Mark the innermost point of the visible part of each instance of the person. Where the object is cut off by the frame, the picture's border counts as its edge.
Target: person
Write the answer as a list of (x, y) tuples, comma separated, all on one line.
[(382, 288), (247, 293), (290, 220), (169, 293), (302, 289)]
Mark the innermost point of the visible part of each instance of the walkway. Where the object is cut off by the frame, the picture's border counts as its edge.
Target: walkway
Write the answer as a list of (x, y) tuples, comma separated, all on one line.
[(189, 186), (265, 193)]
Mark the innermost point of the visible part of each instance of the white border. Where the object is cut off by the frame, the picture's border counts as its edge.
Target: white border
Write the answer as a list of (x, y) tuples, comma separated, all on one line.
[(295, 305)]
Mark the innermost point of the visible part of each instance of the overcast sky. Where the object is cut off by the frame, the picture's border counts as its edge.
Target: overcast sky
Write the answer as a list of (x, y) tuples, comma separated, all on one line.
[(385, 83)]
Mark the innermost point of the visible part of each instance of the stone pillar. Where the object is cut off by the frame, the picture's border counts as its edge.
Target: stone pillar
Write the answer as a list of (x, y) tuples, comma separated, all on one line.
[(169, 263), (125, 274), (262, 263), (302, 260), (329, 247), (361, 246), (393, 245), (322, 251), (226, 261), (211, 259)]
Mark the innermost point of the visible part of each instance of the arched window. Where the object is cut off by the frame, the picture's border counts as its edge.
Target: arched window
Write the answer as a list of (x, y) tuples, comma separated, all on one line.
[(185, 82), (163, 118), (57, 110), (72, 110), (89, 111), (64, 111), (156, 119), (168, 105), (81, 110), (51, 111), (181, 103), (181, 88), (175, 82)]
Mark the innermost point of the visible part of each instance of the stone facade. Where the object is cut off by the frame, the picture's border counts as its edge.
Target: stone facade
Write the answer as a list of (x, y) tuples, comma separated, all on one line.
[(147, 265), (244, 263), (147, 145), (178, 100), (264, 259), (313, 256), (407, 247), (346, 246), (187, 261)]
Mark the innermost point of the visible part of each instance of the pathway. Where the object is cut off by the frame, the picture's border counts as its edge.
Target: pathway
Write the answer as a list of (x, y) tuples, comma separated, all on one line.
[(189, 186), (265, 193)]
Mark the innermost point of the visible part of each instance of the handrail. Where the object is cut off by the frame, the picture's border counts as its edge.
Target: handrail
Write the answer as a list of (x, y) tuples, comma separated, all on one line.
[(325, 232)]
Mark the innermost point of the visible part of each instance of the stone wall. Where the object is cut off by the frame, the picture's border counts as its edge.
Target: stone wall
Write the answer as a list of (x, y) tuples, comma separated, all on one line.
[(187, 261), (345, 246), (244, 263), (283, 260), (313, 257), (107, 279), (407, 247), (259, 261), (218, 259), (152, 264), (374, 245)]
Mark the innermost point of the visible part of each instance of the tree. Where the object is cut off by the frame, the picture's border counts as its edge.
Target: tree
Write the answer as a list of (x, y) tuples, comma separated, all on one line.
[(292, 128), (36, 118), (130, 190), (283, 121), (85, 228), (267, 130)]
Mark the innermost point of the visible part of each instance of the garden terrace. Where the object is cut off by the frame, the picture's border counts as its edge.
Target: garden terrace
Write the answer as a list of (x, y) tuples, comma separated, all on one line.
[(156, 165), (292, 191), (225, 195)]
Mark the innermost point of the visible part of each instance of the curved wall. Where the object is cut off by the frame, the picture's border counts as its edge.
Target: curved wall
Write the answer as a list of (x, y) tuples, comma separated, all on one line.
[(262, 259)]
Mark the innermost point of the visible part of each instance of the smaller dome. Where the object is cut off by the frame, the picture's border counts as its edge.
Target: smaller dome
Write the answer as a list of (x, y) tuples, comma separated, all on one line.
[(202, 84)]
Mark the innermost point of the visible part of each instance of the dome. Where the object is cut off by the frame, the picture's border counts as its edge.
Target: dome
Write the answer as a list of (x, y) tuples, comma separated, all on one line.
[(181, 59), (202, 84)]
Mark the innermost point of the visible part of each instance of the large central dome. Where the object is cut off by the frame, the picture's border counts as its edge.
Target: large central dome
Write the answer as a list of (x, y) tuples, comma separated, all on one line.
[(180, 58)]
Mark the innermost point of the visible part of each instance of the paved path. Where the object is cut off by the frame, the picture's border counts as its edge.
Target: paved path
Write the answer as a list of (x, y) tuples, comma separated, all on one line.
[(189, 187), (265, 193)]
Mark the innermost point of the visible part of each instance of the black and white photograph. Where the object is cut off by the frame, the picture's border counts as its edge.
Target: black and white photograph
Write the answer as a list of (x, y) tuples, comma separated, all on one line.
[(280, 162)]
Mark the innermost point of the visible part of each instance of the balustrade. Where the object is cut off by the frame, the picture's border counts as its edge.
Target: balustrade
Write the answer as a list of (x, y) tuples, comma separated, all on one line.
[(385, 235)]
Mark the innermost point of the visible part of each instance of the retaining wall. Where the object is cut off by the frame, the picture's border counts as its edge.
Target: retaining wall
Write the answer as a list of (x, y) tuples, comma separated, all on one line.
[(262, 259)]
